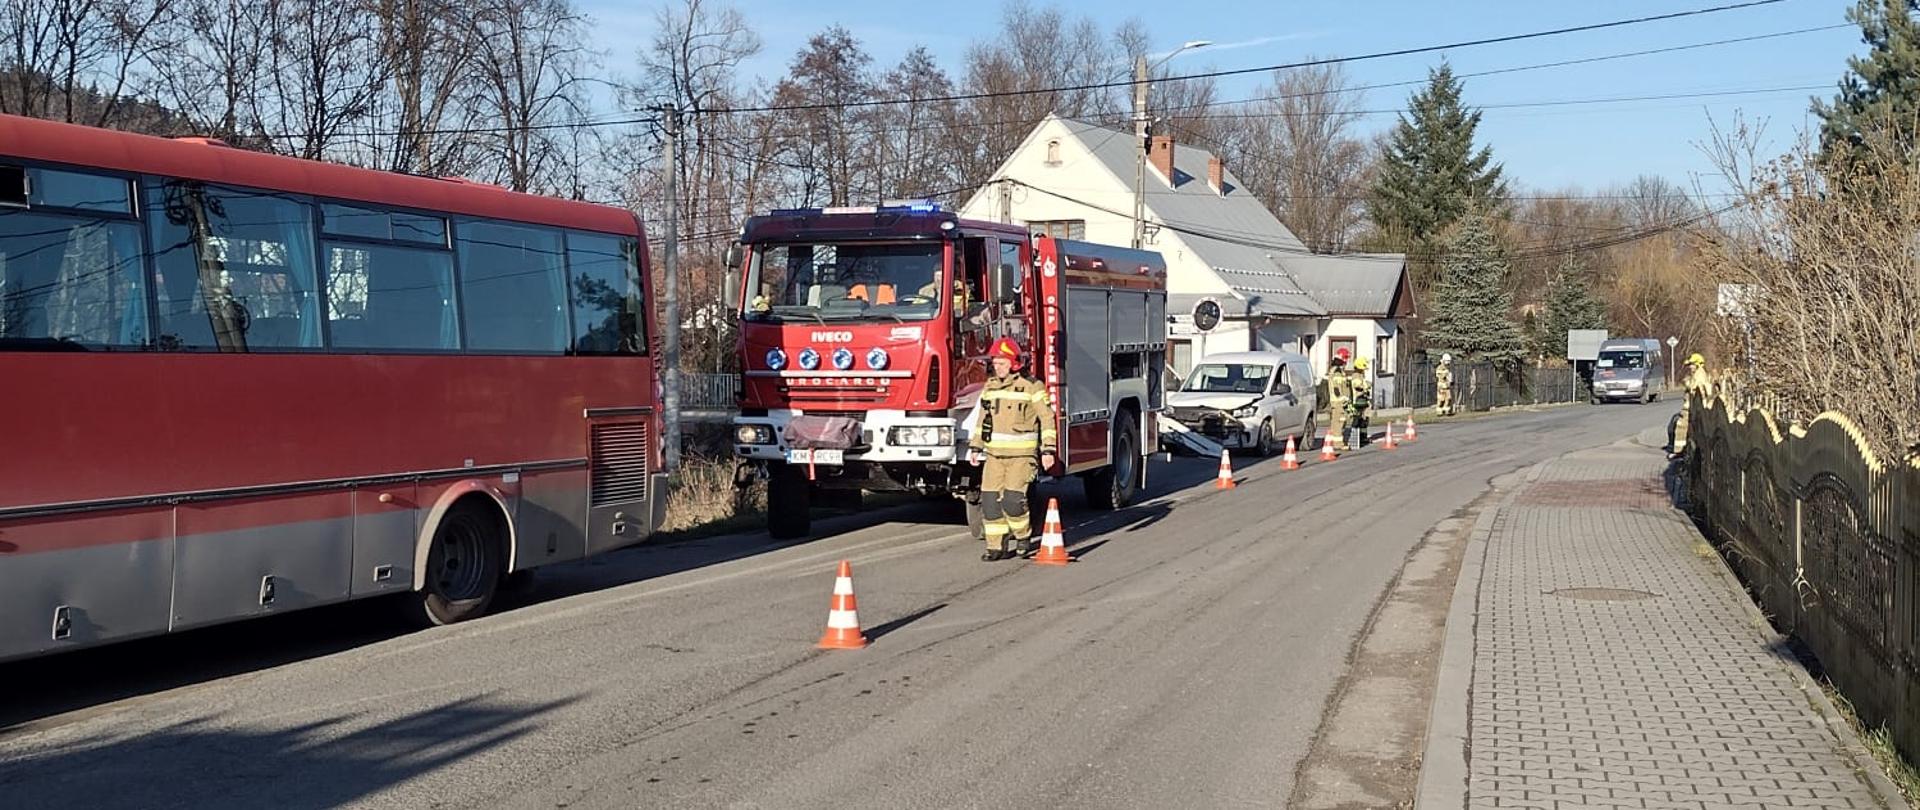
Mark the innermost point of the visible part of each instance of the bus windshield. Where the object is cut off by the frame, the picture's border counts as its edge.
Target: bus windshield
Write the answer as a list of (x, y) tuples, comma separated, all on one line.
[(1622, 358), (845, 282)]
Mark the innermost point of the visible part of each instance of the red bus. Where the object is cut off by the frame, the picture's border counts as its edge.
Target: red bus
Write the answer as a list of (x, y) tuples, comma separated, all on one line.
[(235, 384)]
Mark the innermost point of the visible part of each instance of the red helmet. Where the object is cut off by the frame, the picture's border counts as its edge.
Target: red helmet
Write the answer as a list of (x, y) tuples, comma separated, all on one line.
[(1343, 355), (1006, 347)]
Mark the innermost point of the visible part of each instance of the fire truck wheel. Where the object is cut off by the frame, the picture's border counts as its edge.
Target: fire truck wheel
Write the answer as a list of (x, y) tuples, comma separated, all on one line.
[(1116, 485), (463, 566), (789, 498)]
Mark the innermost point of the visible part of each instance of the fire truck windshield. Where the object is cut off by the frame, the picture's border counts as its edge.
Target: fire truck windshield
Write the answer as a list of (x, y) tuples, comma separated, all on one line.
[(845, 282)]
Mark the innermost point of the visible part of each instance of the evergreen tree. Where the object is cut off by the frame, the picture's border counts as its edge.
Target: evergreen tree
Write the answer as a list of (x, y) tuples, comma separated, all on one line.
[(1430, 175), (1472, 308), (1881, 94), (1571, 304)]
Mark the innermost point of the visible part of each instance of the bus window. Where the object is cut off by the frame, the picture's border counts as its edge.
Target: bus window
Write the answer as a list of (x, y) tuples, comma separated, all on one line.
[(70, 282), (234, 269), (390, 297), (512, 287), (607, 304)]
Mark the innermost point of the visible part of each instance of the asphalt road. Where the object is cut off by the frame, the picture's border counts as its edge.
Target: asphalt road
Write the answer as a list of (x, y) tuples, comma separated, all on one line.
[(1183, 661)]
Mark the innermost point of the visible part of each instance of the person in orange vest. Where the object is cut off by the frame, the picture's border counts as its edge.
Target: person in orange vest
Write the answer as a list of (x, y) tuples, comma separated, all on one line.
[(1013, 442)]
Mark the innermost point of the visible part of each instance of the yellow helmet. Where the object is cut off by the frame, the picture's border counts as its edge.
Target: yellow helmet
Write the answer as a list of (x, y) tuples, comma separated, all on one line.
[(1360, 363), (1696, 360)]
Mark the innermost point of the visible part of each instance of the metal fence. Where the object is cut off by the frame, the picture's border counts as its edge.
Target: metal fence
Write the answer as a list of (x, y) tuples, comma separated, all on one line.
[(1827, 537), (1481, 387), (709, 392)]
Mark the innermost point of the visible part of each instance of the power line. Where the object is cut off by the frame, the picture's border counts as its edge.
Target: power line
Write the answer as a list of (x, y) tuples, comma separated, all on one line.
[(1337, 60)]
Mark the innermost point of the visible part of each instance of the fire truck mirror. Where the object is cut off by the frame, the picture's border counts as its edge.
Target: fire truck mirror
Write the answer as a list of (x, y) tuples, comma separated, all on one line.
[(732, 281), (1006, 282)]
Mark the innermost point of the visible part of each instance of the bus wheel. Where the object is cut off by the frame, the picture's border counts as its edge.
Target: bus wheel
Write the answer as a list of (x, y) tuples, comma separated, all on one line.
[(463, 564), (788, 501), (1117, 484)]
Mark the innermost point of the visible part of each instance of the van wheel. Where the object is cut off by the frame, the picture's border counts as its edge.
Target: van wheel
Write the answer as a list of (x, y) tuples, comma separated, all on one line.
[(789, 499), (463, 565), (1310, 434), (1263, 446), (1117, 484)]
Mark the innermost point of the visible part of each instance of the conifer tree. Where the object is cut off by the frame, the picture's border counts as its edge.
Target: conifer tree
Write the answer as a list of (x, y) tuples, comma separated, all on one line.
[(1430, 174), (1472, 310), (1571, 304), (1880, 95)]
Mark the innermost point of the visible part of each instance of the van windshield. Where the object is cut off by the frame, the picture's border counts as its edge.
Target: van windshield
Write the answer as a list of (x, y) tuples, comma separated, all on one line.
[(1621, 358), (1229, 378)]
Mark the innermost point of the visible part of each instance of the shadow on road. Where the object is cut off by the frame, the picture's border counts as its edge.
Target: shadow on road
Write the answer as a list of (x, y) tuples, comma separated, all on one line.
[(323, 763), (42, 688)]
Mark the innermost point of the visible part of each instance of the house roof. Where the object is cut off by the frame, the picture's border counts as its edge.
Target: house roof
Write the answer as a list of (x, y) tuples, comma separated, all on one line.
[(1353, 283), (1249, 249)]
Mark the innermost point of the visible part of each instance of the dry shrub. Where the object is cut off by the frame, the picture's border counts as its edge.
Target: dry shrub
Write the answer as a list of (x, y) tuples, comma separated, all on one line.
[(1832, 249), (702, 495)]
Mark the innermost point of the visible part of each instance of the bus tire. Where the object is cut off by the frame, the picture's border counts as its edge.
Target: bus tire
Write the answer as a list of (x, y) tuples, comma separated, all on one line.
[(1117, 484), (464, 564), (789, 501)]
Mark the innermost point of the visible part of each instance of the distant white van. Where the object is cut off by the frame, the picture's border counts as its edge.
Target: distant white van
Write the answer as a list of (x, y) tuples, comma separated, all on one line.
[(1249, 400)]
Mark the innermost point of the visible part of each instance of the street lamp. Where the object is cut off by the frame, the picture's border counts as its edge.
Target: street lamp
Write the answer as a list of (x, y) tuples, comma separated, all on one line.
[(1140, 72)]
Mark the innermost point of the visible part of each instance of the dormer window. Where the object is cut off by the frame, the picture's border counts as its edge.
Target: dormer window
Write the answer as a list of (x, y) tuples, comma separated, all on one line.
[(1053, 152)]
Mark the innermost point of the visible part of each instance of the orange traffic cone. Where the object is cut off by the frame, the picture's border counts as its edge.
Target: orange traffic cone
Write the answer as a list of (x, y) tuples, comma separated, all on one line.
[(1326, 448), (843, 620), (1389, 444), (1411, 435), (1291, 459), (1053, 541), (1225, 479)]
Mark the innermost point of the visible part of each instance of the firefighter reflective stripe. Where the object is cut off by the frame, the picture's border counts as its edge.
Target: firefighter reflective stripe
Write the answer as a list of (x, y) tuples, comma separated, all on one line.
[(1026, 438), (993, 394)]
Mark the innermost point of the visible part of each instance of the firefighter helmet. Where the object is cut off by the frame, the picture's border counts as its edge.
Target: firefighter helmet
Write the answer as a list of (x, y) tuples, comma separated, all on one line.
[(1360, 364), (1006, 347), (1342, 355), (1696, 360)]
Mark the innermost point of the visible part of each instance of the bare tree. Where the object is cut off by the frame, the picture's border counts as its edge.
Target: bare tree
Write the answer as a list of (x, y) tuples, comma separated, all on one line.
[(327, 71), (417, 123), (910, 161), (530, 73), (825, 138), (75, 60), (215, 70), (1301, 157)]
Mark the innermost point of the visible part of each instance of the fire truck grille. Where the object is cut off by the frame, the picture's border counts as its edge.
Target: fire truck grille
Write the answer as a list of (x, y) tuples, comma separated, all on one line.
[(835, 393), (619, 463)]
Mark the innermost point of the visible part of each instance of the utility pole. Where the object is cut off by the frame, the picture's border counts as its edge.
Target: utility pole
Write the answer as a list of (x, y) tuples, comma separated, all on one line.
[(1006, 200), (1140, 151), (670, 364)]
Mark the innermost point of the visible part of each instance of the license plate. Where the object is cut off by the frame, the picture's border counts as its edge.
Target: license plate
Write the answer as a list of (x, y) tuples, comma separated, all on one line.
[(815, 456)]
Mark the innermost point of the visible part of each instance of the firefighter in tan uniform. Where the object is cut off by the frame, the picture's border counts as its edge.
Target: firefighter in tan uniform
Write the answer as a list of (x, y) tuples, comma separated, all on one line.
[(1339, 394), (1443, 386), (1360, 395), (1698, 383), (1015, 439)]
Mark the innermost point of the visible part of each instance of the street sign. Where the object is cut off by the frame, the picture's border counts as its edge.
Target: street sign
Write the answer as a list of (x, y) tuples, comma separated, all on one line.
[(1206, 314), (1672, 342), (1584, 344)]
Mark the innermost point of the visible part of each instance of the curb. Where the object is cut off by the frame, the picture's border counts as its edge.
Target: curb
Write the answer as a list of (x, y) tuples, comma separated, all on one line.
[(1443, 763), (1845, 739)]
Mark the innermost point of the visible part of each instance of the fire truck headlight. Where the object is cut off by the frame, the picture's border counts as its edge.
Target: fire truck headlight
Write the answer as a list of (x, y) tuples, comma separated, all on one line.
[(876, 358), (776, 359), (842, 358), (752, 434), (928, 436), (809, 359)]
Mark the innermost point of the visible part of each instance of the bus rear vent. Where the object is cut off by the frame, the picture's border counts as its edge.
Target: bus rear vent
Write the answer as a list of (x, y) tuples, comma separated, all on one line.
[(619, 463)]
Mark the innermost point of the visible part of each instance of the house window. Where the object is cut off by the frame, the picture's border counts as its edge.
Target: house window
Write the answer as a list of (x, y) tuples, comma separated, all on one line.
[(1053, 152), (1075, 229), (1338, 343), (1383, 356)]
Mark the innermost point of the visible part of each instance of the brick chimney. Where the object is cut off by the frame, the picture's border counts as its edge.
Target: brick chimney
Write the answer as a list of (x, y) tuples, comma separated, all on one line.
[(1160, 154), (1217, 174)]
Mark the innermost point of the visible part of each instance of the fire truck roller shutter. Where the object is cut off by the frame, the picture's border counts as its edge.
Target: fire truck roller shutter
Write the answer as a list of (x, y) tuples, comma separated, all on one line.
[(1088, 371)]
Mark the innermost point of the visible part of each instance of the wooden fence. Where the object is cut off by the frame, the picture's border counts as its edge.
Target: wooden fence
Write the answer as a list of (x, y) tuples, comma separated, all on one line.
[(1827, 536)]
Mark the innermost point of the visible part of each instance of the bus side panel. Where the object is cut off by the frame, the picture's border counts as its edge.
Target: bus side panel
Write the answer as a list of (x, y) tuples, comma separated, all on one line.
[(553, 507), (227, 548), (112, 572), (384, 533)]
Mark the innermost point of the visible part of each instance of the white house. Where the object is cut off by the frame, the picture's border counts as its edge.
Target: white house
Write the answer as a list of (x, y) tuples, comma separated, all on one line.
[(1075, 180)]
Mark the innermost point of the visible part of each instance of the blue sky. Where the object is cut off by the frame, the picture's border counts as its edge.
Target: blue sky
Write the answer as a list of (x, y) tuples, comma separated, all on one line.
[(1544, 149)]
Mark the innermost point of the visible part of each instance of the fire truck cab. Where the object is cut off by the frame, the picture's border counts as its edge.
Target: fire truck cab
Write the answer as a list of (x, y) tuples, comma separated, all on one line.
[(863, 340)]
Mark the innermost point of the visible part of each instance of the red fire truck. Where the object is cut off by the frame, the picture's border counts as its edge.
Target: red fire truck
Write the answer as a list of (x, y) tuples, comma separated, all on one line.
[(863, 339)]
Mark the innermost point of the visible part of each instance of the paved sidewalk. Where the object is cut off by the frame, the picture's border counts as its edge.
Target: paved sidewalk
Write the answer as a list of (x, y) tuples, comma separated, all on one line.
[(1612, 665)]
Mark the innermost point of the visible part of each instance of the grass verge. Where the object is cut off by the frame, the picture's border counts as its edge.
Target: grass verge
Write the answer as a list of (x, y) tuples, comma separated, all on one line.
[(1879, 743)]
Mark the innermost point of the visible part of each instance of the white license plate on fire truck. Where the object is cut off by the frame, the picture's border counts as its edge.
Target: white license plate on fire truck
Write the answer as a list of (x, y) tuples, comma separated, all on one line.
[(816, 457)]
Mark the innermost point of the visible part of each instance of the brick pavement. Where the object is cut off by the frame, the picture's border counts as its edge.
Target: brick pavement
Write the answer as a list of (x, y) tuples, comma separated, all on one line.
[(1613, 666)]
